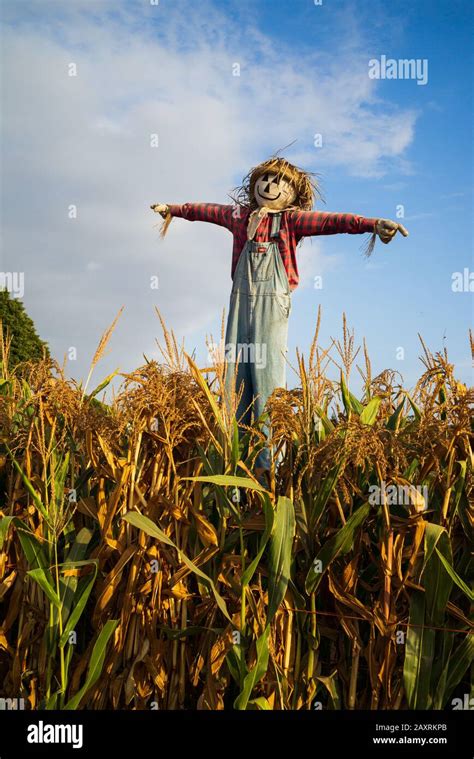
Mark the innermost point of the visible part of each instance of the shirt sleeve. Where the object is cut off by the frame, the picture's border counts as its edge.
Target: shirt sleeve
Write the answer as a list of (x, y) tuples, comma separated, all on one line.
[(214, 213), (308, 223)]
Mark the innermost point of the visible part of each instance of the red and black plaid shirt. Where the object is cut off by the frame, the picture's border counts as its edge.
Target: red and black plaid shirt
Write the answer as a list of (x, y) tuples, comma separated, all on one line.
[(294, 226)]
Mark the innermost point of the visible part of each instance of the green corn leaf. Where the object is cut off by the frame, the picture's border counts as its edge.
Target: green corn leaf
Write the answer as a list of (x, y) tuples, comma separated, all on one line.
[(461, 503), (330, 683), (341, 542), (410, 471), (392, 423), (419, 652), (463, 512), (60, 474), (207, 392), (188, 632), (256, 673), (440, 668), (459, 484), (234, 660), (368, 414), (143, 523), (35, 496), (260, 703), (80, 599), (458, 664), (356, 405), (223, 501), (46, 584), (102, 385), (327, 424), (5, 387), (67, 662), (52, 702), (324, 494), (442, 401), (228, 481), (454, 576), (350, 401), (279, 560), (5, 523), (68, 585), (29, 542), (96, 663), (345, 395), (436, 582), (415, 408), (235, 450), (269, 521)]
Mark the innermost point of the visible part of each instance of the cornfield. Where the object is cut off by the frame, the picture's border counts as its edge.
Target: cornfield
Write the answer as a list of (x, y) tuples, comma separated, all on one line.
[(143, 565)]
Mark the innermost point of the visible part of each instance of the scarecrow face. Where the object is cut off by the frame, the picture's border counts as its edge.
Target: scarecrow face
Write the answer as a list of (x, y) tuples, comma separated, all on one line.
[(273, 191)]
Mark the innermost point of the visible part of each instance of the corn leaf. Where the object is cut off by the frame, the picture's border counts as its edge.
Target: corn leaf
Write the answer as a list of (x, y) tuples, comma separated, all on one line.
[(102, 385), (68, 584), (436, 582), (324, 493), (197, 374), (392, 423), (279, 560), (339, 543), (368, 414), (143, 523), (30, 544), (419, 651), (415, 408), (269, 520), (439, 674), (330, 683), (260, 703), (79, 600), (459, 662), (454, 576), (256, 673), (350, 401), (46, 584), (96, 663), (228, 481), (31, 490), (327, 424)]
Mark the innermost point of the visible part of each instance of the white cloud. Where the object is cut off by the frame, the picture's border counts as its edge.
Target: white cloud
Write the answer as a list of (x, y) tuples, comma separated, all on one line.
[(85, 141)]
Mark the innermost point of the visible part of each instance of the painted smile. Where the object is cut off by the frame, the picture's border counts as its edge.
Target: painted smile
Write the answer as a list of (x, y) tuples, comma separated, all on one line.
[(268, 197)]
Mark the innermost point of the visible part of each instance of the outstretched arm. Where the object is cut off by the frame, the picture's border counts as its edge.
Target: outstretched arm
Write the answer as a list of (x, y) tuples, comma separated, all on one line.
[(214, 213), (308, 223)]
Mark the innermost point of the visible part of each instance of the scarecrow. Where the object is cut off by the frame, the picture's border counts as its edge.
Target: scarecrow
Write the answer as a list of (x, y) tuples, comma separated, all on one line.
[(271, 215)]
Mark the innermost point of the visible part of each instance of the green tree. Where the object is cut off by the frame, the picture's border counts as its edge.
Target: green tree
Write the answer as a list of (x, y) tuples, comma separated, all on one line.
[(26, 345)]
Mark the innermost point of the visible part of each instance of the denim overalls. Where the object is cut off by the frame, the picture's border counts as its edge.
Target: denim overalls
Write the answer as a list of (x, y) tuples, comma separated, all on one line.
[(257, 328)]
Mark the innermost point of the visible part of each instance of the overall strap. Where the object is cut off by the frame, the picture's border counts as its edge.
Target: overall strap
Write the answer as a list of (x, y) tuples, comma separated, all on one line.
[(276, 221)]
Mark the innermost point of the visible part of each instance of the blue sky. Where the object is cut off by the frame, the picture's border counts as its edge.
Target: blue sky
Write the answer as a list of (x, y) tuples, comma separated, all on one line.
[(167, 69)]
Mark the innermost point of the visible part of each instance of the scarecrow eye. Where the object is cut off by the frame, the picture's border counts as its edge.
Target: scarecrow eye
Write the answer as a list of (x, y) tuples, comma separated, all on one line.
[(265, 178)]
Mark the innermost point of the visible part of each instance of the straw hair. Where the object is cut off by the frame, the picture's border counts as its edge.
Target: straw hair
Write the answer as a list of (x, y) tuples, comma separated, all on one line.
[(368, 248), (166, 222), (304, 182)]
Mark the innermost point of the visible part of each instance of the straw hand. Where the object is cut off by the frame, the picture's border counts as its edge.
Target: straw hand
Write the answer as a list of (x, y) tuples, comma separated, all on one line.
[(161, 208), (387, 229)]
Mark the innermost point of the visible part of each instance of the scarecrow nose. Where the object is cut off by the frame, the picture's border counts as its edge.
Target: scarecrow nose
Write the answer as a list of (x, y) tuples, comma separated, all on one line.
[(267, 188)]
